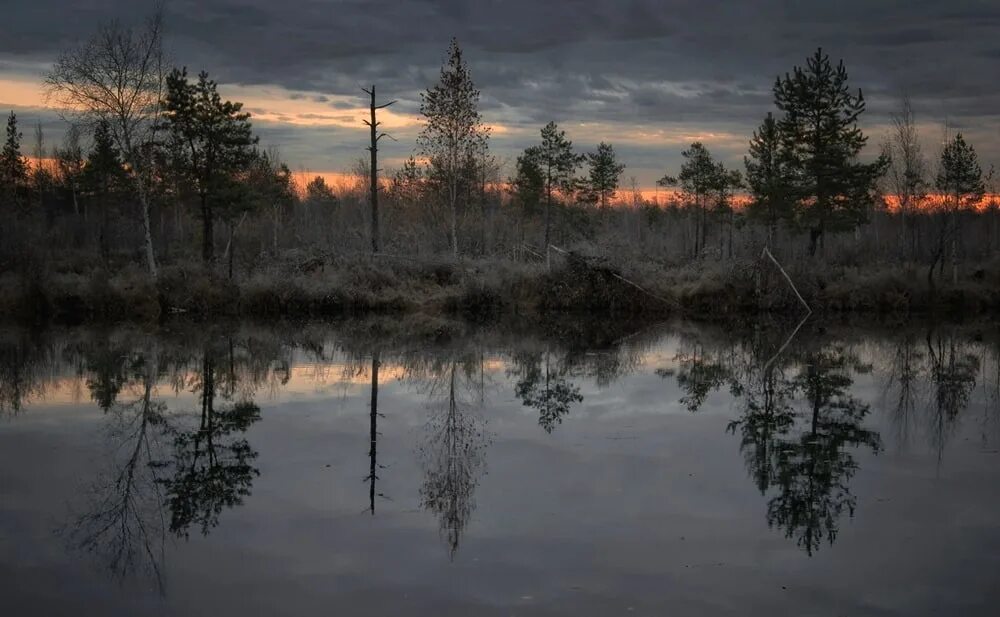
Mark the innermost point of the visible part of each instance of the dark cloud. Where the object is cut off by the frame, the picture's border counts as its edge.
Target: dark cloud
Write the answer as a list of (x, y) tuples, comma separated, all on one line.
[(696, 63)]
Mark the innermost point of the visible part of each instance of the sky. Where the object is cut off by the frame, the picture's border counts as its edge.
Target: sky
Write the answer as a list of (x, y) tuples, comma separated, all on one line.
[(647, 76)]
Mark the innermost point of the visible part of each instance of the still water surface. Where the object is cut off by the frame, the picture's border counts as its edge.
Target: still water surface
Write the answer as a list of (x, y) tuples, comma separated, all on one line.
[(405, 469)]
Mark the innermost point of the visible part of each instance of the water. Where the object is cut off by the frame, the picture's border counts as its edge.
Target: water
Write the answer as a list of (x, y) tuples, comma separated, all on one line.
[(677, 470)]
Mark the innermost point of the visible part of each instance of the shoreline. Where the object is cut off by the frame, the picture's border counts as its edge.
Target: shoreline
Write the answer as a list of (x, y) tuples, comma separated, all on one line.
[(494, 290)]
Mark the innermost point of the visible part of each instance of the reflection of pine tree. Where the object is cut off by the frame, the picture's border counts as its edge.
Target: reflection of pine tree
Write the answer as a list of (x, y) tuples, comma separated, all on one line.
[(813, 471), (107, 367), (212, 467), (699, 374), (768, 415), (453, 459), (547, 390)]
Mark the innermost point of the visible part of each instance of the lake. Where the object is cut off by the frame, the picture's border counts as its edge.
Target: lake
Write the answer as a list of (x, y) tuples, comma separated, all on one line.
[(398, 466)]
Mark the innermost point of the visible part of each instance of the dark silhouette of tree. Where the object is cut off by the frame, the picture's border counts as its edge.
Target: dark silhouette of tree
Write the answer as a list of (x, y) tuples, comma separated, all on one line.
[(215, 141), (527, 187), (699, 179), (103, 178), (768, 179), (273, 188), (212, 464), (319, 194), (546, 390), (960, 179), (821, 143), (558, 163), (69, 166), (373, 188), (454, 132), (13, 167), (604, 174)]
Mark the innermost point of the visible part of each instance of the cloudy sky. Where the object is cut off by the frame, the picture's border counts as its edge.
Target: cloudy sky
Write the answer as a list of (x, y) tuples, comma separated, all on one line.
[(649, 76)]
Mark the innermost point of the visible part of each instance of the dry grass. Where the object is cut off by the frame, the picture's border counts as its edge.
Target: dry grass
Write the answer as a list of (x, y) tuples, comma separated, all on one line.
[(303, 286)]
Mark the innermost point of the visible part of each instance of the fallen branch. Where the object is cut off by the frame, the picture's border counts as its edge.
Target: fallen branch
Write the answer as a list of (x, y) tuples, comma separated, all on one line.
[(787, 278), (621, 278), (791, 336), (235, 229)]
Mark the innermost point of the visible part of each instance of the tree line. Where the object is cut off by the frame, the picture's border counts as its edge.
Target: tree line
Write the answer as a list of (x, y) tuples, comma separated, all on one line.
[(157, 167)]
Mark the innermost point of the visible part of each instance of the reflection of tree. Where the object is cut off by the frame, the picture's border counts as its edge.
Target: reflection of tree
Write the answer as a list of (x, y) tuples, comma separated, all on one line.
[(804, 460), (546, 390), (122, 523), (902, 381), (107, 372), (767, 415), (953, 375), (813, 470), (22, 361), (698, 374), (453, 457), (212, 466)]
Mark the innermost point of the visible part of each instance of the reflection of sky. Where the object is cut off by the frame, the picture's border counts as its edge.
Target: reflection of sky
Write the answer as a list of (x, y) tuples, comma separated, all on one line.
[(648, 75), (632, 502)]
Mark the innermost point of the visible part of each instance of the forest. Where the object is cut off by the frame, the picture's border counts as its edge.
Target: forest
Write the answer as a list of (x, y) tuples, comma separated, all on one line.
[(162, 200)]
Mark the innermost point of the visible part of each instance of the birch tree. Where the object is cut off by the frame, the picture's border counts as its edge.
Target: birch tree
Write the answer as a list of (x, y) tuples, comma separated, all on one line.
[(117, 77), (906, 177)]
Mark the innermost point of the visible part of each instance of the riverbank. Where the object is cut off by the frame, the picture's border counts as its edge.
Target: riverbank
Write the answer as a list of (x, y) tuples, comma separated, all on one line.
[(486, 290)]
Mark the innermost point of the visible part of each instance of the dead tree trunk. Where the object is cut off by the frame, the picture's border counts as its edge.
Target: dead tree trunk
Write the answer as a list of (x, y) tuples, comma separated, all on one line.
[(373, 149)]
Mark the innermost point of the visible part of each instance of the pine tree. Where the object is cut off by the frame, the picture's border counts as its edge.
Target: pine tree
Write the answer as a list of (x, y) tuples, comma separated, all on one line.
[(605, 173), (558, 164), (821, 143), (217, 143), (69, 161), (319, 194), (103, 176), (13, 166), (960, 179), (528, 184), (767, 178), (454, 132), (698, 178)]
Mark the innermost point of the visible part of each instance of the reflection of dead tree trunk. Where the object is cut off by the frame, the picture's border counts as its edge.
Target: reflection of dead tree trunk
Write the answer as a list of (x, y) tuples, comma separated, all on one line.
[(373, 125), (373, 434)]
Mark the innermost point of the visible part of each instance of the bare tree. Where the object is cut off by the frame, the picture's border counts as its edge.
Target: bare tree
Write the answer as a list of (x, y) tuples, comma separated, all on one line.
[(907, 174), (117, 77)]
